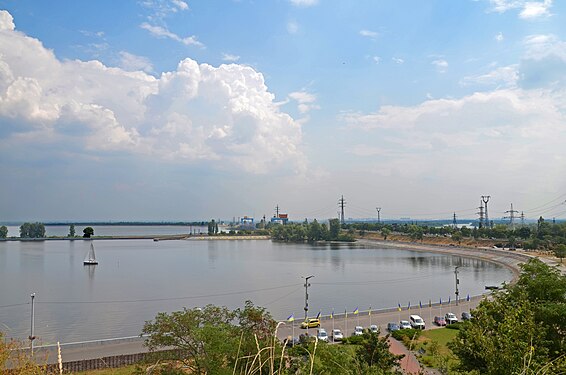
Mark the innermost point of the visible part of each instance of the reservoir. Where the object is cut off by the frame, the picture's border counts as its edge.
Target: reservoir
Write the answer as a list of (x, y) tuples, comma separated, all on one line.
[(136, 279)]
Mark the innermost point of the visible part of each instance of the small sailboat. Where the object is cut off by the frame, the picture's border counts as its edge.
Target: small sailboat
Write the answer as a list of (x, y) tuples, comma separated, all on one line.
[(91, 257)]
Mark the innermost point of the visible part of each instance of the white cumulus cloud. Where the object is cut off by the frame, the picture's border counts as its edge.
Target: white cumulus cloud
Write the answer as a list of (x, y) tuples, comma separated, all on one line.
[(6, 21), (527, 9), (224, 116), (306, 101), (130, 62)]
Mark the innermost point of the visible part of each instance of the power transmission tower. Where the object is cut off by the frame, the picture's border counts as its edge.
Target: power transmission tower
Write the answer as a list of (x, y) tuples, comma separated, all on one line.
[(522, 218), (511, 216), (485, 199), (454, 221), (378, 216), (341, 203), (481, 214)]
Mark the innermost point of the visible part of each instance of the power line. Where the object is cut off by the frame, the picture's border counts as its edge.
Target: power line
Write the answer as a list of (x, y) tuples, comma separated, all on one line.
[(546, 204), (167, 299), (15, 304)]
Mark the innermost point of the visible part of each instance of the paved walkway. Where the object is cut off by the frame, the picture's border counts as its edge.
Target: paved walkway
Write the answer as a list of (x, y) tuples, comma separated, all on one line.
[(409, 364)]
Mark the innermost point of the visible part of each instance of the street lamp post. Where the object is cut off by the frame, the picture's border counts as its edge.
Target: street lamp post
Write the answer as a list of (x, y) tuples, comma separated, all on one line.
[(31, 336), (307, 284), (457, 283)]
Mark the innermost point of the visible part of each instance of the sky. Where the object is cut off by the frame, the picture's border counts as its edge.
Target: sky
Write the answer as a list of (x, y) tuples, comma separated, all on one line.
[(189, 110)]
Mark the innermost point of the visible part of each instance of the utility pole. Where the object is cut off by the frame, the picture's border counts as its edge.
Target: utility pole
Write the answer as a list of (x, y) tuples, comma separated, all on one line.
[(481, 214), (511, 216), (378, 216), (455, 222), (457, 283), (485, 199), (31, 336), (342, 203), (307, 284)]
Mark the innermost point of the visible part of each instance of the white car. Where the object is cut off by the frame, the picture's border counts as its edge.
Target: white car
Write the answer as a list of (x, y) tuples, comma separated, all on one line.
[(337, 335), (322, 335), (450, 318), (358, 331), (417, 322), (404, 324), (373, 328)]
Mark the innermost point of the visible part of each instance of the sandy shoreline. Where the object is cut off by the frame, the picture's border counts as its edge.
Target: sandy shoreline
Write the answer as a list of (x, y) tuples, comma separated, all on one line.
[(507, 258)]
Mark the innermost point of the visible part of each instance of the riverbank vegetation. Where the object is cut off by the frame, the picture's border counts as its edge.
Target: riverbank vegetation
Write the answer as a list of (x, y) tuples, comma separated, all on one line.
[(520, 330), (543, 235), (310, 232)]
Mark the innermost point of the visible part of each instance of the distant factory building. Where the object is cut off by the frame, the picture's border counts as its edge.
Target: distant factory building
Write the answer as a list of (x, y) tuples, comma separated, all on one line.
[(247, 222), (280, 219)]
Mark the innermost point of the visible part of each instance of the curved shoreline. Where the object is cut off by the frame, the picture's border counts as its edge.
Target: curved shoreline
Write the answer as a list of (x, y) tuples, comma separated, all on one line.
[(502, 257)]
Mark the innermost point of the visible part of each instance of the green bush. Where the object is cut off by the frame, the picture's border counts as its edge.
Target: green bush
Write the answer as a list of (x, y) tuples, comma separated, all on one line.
[(353, 340), (406, 335), (456, 326)]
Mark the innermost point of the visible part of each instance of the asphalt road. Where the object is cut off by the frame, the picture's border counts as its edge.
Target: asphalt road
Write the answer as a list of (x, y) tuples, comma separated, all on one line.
[(91, 350), (381, 318)]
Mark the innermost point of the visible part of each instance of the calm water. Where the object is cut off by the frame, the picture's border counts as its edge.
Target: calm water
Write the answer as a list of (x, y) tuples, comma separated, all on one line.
[(138, 278)]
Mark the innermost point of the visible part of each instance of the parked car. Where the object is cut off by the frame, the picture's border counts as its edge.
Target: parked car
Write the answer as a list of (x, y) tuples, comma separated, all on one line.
[(337, 335), (416, 322), (322, 335), (290, 341), (450, 318), (404, 324), (373, 328), (392, 327), (466, 315), (358, 331), (311, 323), (439, 321)]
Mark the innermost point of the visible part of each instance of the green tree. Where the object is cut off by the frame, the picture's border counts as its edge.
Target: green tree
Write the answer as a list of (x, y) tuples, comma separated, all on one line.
[(457, 237), (72, 230), (212, 227), (32, 230), (207, 339), (559, 251), (416, 232), (466, 232), (374, 351), (334, 230), (524, 232), (314, 231), (3, 231), (522, 329), (88, 232), (385, 233)]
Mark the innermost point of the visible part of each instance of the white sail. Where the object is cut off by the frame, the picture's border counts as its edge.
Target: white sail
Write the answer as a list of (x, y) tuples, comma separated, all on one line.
[(91, 257)]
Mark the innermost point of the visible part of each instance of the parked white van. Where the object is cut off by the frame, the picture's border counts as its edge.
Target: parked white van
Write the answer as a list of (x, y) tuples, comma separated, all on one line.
[(417, 322)]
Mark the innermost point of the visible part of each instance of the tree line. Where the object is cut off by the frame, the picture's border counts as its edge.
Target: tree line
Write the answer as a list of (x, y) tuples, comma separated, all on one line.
[(542, 235), (37, 230), (310, 232)]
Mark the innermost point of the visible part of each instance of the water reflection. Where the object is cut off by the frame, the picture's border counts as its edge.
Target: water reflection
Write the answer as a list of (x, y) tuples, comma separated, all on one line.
[(168, 275)]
